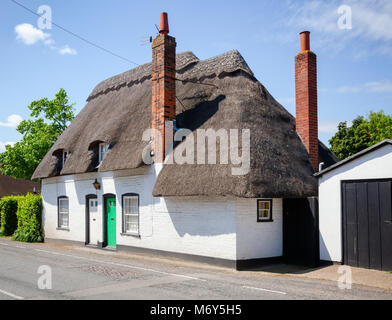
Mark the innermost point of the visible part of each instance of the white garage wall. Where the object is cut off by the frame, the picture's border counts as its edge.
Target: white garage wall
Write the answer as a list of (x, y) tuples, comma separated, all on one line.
[(374, 165)]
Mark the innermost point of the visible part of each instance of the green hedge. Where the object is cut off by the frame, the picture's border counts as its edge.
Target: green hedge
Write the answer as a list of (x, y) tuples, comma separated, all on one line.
[(8, 217), (29, 219)]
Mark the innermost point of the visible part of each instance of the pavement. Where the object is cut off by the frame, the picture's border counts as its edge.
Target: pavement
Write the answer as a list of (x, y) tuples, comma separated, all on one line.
[(66, 272)]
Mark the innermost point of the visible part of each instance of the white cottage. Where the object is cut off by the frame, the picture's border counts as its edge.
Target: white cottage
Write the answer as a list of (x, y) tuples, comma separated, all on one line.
[(105, 182)]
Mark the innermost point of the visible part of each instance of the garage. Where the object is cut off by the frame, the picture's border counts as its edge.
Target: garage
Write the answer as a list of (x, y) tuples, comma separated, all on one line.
[(355, 209), (367, 224)]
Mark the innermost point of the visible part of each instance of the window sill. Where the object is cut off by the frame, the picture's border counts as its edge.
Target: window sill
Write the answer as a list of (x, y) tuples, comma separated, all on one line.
[(265, 220), (63, 229), (135, 235)]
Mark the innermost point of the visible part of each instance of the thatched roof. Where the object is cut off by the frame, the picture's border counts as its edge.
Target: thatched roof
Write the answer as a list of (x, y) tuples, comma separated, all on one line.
[(119, 110), (15, 187)]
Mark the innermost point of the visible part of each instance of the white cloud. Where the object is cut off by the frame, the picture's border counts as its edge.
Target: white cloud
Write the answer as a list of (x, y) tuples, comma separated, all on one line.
[(373, 19), (3, 144), (328, 126), (331, 127), (371, 25), (370, 18), (349, 89), (67, 50), (370, 87), (286, 100), (379, 86), (12, 121), (385, 50), (30, 35)]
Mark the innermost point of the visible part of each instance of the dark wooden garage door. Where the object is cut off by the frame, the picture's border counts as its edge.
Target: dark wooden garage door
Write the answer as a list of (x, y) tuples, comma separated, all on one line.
[(367, 224)]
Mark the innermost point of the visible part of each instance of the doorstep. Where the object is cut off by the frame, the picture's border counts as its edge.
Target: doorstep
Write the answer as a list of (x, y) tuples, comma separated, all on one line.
[(109, 248)]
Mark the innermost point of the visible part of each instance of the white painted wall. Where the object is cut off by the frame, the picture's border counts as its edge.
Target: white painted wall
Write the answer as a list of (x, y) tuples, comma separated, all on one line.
[(222, 227), (258, 239), (374, 165), (199, 226)]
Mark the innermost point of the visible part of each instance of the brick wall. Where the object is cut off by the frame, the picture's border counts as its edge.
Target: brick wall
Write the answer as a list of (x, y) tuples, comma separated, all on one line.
[(163, 89), (306, 100)]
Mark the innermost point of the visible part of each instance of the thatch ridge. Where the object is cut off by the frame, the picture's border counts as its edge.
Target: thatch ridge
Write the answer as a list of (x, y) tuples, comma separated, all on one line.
[(138, 75)]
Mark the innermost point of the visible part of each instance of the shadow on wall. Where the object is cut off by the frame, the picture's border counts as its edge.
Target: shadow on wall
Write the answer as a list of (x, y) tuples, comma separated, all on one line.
[(214, 217), (194, 218), (324, 254), (81, 191)]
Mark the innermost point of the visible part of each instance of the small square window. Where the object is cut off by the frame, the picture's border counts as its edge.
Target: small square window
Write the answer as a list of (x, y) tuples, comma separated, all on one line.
[(264, 210)]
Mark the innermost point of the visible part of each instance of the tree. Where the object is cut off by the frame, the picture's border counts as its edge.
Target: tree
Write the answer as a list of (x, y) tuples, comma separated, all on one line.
[(49, 119), (363, 133)]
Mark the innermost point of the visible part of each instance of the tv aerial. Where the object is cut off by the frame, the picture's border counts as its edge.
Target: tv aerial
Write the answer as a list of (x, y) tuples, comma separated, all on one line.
[(147, 40)]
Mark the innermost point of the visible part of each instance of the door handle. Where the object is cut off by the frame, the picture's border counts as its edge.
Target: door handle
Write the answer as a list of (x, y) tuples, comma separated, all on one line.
[(388, 221), (112, 219), (94, 219)]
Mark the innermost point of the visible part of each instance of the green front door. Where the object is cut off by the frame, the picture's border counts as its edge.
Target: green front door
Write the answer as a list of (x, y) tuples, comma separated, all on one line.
[(111, 221)]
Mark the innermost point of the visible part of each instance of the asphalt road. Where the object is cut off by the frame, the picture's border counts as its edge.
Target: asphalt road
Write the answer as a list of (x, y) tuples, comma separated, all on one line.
[(93, 274)]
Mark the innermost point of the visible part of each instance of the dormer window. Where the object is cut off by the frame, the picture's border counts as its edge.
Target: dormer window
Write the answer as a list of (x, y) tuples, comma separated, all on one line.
[(60, 158), (103, 149)]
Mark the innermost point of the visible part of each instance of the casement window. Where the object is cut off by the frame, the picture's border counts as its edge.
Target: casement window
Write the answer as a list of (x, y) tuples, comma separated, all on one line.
[(130, 207), (63, 213), (63, 159), (103, 149), (264, 210)]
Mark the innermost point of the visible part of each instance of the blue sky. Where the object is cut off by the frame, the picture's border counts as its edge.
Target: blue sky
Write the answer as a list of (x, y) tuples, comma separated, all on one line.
[(354, 65)]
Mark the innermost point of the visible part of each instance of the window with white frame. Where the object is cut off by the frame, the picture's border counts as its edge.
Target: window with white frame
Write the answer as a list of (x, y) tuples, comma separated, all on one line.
[(131, 213), (103, 149), (63, 212), (264, 210)]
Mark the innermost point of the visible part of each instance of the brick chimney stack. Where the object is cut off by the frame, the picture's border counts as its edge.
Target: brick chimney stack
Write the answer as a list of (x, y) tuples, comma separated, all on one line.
[(306, 98), (163, 87)]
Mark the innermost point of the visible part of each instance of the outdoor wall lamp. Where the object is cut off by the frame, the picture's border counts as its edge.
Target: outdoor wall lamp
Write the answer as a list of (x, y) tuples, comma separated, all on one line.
[(96, 184)]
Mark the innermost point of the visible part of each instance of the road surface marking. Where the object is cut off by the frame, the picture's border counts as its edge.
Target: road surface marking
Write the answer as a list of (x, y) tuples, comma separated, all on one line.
[(21, 247), (121, 265), (261, 289), (4, 244), (11, 295)]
